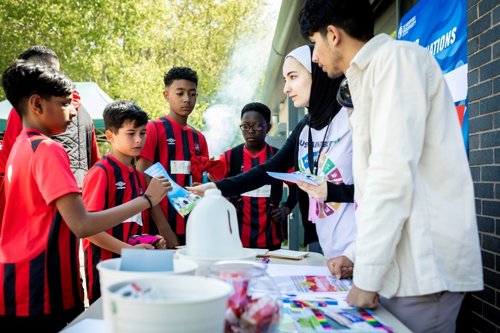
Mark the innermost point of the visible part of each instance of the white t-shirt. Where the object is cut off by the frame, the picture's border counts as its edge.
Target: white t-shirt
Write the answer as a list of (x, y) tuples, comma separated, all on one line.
[(335, 223)]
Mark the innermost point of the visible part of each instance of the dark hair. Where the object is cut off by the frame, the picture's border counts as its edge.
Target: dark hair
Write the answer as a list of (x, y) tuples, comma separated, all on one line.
[(180, 73), (39, 54), (259, 108), (119, 112), (355, 17), (23, 79)]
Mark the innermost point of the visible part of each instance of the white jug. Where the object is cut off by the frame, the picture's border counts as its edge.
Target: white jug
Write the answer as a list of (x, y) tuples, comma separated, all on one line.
[(212, 228)]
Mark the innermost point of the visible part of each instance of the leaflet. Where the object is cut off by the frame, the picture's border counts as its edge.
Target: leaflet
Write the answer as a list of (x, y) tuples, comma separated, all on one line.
[(181, 199), (295, 177), (299, 284), (331, 314)]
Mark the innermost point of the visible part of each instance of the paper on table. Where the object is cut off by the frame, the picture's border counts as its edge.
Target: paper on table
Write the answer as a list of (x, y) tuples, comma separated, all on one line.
[(284, 254), (287, 270), (294, 177), (318, 284)]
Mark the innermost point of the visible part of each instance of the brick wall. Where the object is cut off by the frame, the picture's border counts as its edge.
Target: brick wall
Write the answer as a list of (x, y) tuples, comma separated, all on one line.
[(482, 309)]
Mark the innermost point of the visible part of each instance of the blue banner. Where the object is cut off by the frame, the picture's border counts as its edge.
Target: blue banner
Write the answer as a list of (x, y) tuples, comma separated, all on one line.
[(441, 27)]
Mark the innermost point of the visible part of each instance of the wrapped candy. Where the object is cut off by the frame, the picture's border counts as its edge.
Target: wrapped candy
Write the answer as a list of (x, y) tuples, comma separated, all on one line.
[(254, 306)]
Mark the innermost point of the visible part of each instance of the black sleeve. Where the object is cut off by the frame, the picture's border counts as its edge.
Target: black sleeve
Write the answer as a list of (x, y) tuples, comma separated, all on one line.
[(257, 176), (340, 193)]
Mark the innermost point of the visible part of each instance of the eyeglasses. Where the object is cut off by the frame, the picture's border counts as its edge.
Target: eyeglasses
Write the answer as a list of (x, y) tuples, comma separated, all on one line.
[(344, 95), (256, 127)]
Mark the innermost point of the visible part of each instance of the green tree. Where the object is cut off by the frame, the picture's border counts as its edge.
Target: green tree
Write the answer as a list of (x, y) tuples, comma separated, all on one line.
[(126, 46)]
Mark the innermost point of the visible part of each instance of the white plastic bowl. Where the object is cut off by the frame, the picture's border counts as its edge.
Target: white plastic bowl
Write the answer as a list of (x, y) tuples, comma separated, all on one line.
[(191, 304)]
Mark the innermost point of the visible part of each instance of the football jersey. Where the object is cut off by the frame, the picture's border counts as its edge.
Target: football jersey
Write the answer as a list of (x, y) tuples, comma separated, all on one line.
[(254, 207), (81, 157), (110, 183), (173, 146), (39, 265)]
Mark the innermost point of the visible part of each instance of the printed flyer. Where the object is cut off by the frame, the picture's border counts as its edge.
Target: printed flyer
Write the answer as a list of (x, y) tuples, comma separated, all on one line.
[(182, 200), (311, 313), (311, 284)]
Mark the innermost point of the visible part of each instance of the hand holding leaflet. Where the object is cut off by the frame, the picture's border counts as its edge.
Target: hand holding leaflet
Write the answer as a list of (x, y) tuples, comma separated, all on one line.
[(294, 177), (182, 200)]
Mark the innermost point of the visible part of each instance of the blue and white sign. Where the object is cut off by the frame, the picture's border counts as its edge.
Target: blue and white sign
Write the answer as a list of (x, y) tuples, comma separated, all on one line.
[(441, 27)]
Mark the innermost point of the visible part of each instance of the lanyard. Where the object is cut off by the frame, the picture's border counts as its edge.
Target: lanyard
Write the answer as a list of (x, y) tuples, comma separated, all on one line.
[(313, 164)]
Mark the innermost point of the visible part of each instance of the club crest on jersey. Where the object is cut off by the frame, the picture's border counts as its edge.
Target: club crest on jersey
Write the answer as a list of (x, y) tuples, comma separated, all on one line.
[(171, 141), (120, 185)]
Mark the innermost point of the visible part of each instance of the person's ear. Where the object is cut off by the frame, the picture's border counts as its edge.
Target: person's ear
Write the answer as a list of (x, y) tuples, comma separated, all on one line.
[(333, 34), (166, 94), (109, 135), (269, 126), (35, 103)]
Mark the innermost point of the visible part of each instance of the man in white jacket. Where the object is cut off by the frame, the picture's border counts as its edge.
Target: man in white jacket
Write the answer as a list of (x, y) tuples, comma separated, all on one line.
[(417, 244)]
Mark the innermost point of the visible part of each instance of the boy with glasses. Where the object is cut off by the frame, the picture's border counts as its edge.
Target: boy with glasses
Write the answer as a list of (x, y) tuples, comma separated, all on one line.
[(260, 220)]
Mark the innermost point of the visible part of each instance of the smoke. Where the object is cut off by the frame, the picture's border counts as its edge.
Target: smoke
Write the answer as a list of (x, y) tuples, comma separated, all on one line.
[(241, 80)]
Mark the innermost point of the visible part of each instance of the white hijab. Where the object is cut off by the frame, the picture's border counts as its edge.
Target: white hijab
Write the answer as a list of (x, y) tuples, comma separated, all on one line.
[(303, 55)]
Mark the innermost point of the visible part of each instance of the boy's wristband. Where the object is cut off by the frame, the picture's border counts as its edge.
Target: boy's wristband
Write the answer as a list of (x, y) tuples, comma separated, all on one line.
[(148, 198)]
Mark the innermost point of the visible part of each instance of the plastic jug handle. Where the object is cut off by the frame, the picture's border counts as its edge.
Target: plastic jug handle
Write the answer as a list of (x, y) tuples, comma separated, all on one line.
[(229, 221)]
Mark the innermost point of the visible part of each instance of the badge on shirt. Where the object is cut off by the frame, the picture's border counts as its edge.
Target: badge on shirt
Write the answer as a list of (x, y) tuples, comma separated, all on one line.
[(180, 167), (137, 218), (261, 192)]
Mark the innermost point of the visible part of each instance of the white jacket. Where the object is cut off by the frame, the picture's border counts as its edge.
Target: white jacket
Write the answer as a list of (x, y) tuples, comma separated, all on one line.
[(417, 231)]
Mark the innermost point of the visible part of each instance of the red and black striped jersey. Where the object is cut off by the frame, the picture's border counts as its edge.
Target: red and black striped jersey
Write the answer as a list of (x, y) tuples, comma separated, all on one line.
[(39, 265), (173, 146), (254, 207), (107, 184)]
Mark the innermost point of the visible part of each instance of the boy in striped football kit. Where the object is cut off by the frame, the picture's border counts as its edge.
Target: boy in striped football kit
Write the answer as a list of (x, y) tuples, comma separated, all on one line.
[(79, 140), (44, 213), (260, 219), (113, 180), (173, 143)]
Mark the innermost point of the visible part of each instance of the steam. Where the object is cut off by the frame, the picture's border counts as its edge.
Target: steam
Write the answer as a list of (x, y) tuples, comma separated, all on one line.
[(241, 80)]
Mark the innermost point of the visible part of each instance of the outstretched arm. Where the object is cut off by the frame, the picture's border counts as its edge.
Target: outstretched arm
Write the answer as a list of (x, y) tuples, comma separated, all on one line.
[(84, 224), (256, 177)]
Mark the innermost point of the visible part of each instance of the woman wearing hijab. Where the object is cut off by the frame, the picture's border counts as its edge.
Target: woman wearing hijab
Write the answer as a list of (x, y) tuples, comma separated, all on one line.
[(321, 145)]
